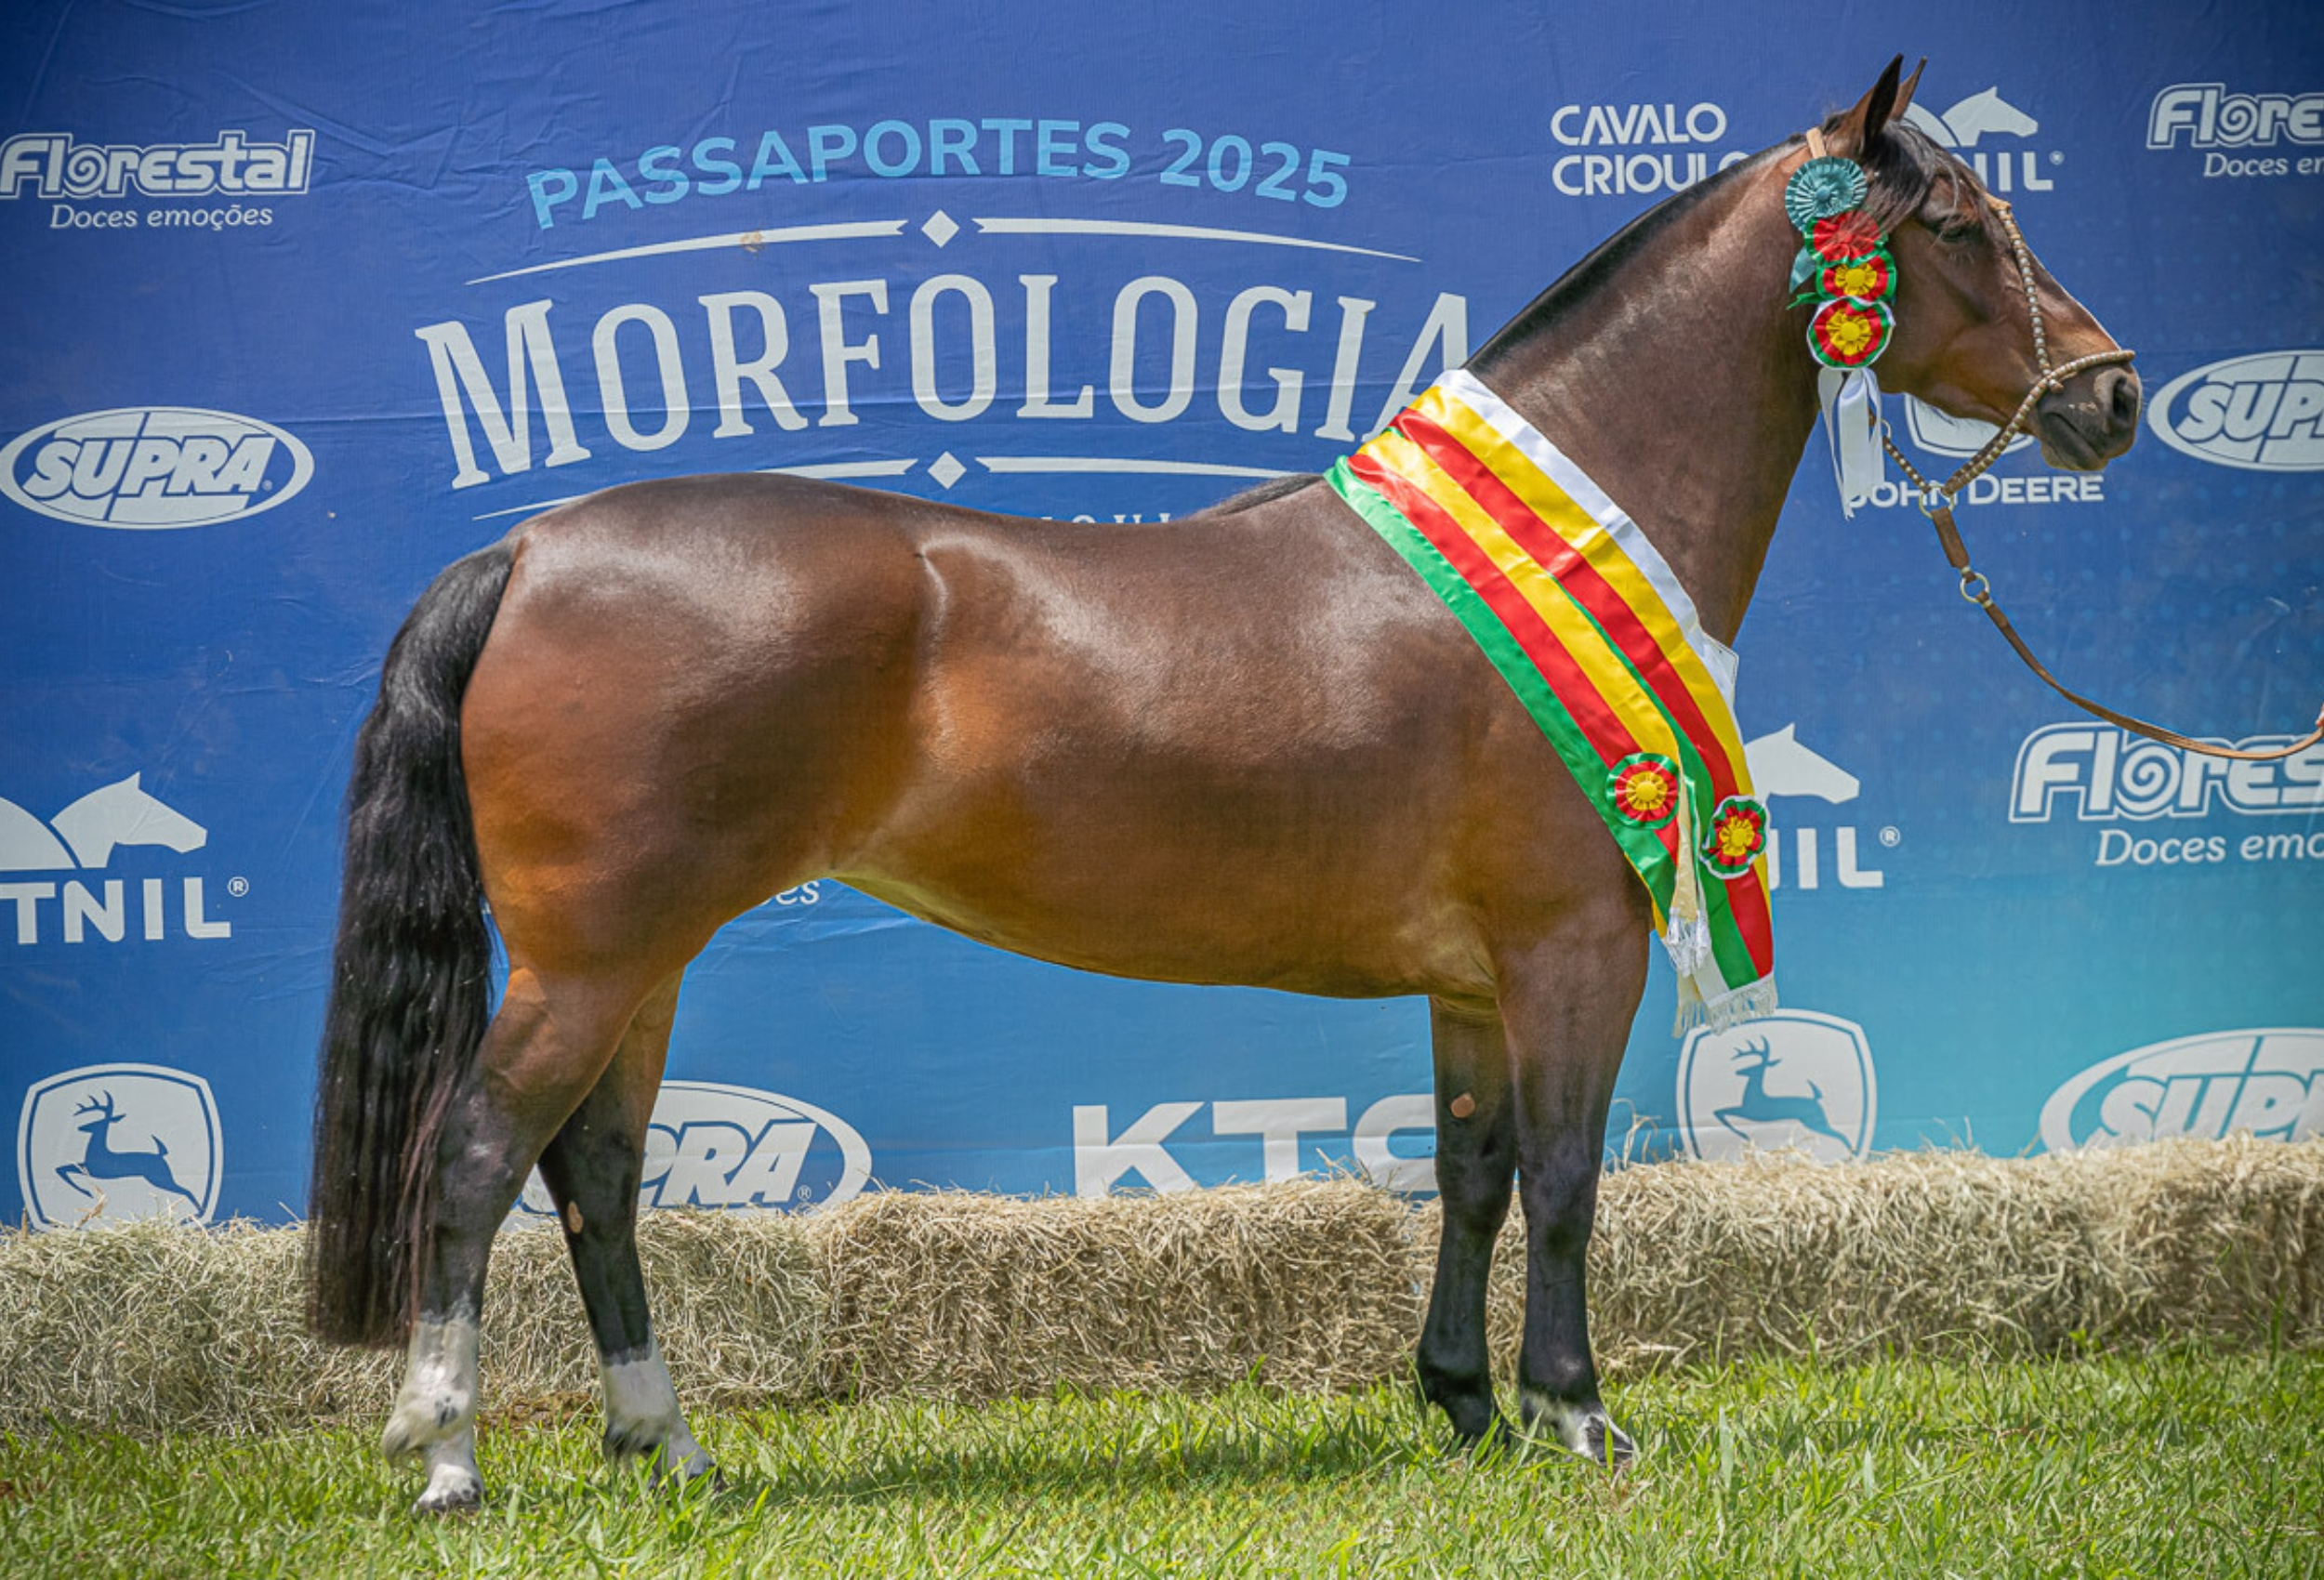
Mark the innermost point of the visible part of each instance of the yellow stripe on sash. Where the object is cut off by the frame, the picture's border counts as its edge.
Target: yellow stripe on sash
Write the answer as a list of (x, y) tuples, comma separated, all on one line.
[(1598, 660), (1541, 494)]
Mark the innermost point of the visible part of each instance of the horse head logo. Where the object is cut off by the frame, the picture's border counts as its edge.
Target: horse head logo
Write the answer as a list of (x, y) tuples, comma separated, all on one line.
[(1971, 118), (1780, 766), (85, 832)]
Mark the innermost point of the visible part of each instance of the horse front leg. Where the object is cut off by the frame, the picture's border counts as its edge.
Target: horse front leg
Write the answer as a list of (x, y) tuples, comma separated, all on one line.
[(593, 1168), (1476, 1159), (1567, 1005)]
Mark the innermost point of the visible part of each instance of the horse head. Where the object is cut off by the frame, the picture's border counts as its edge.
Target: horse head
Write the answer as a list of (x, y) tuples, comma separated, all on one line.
[(122, 813), (1968, 340)]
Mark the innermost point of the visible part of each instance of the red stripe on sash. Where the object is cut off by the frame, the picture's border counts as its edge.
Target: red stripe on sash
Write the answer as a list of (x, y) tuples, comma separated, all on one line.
[(1580, 578), (1745, 898), (1601, 728)]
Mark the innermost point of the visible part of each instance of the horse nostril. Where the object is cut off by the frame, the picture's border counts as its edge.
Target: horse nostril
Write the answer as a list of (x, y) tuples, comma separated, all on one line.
[(2118, 396)]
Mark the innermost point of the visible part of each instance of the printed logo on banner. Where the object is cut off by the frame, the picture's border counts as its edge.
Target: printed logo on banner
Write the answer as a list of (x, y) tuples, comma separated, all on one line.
[(950, 324), (2235, 129), (1782, 765), (1795, 1078), (85, 837), (190, 177), (1248, 170), (2004, 164), (2270, 1082), (1942, 435), (709, 1145), (109, 1142), (1393, 1142), (1638, 147), (153, 466), (2109, 775), (2261, 413)]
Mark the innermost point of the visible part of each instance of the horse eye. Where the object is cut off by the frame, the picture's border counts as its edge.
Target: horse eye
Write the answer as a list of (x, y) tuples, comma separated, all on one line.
[(1958, 230)]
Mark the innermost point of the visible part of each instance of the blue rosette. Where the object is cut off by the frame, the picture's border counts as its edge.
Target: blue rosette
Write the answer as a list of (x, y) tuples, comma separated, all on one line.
[(1822, 188)]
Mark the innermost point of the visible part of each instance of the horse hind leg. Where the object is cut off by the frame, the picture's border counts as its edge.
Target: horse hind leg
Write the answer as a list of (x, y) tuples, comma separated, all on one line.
[(593, 1168), (548, 1046)]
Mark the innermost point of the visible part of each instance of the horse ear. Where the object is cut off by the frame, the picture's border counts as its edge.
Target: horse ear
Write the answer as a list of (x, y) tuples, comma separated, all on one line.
[(1861, 127), (1903, 91)]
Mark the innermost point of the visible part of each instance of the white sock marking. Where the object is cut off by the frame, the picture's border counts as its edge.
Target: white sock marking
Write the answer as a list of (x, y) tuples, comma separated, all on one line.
[(641, 1407), (437, 1404)]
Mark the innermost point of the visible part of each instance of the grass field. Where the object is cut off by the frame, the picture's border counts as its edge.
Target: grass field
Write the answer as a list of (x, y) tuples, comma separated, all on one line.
[(2182, 1463)]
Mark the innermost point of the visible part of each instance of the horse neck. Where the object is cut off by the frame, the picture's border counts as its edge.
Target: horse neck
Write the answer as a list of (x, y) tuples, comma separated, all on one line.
[(88, 824), (1683, 386)]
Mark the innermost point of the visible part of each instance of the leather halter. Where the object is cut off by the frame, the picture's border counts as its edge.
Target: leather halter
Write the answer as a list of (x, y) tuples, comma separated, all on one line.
[(1937, 501)]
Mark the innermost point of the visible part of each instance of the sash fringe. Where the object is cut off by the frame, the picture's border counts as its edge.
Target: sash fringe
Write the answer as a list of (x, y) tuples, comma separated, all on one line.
[(1745, 1003)]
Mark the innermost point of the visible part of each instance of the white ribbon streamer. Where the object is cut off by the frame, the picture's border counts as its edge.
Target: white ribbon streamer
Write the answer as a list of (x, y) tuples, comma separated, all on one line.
[(1851, 398)]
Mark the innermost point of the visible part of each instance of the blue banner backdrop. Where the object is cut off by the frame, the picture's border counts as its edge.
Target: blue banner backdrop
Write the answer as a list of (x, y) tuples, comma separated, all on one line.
[(304, 302)]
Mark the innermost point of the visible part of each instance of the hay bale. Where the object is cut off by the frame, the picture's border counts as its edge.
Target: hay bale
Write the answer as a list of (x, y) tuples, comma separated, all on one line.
[(1314, 1284), (2229, 1238), (1303, 1285), (1936, 1252), (145, 1327), (1944, 1253)]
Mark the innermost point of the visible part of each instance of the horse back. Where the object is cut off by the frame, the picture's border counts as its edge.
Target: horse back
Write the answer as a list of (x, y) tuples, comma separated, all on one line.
[(1244, 746)]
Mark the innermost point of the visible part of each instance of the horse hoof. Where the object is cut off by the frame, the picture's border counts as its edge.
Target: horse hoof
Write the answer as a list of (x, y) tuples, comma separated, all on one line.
[(1608, 1445), (451, 1494), (1583, 1429)]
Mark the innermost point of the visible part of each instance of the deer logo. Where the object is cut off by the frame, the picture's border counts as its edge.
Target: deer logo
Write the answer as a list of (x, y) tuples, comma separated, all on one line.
[(1795, 1078), (1762, 1107), (100, 1159), (115, 1142)]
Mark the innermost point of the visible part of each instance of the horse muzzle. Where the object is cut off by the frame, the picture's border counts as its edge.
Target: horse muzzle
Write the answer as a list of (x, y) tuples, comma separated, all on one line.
[(2091, 421)]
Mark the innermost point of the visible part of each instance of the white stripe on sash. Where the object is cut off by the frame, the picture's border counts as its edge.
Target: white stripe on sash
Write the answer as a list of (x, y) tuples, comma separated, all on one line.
[(1717, 657)]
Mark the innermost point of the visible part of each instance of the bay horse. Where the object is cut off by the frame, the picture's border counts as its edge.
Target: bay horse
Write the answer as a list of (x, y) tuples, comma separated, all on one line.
[(647, 711)]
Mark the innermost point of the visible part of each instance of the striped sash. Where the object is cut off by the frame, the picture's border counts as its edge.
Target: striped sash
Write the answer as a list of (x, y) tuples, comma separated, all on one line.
[(1589, 628)]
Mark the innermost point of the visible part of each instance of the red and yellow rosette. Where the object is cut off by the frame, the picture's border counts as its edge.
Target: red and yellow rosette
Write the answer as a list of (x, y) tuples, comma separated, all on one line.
[(1868, 278), (1738, 834), (1644, 788), (1846, 333)]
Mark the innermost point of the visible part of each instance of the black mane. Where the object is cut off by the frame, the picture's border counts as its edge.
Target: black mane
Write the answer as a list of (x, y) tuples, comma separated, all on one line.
[(1902, 165)]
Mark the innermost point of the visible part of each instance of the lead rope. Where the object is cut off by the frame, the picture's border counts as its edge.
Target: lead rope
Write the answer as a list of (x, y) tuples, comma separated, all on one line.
[(1936, 503)]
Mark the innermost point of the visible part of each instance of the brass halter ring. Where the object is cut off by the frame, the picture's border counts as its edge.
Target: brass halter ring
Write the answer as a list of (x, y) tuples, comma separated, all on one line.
[(2050, 380)]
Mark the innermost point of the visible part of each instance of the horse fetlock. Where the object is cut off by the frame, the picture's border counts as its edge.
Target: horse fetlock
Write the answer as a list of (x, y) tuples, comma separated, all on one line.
[(1579, 1427), (437, 1404), (642, 1417), (1466, 1400)]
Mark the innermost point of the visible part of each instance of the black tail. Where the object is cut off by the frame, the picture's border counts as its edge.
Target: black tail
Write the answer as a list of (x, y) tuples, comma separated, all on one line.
[(411, 974)]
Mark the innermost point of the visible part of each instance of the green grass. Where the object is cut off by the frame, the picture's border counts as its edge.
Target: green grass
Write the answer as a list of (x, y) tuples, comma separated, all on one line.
[(2183, 1464)]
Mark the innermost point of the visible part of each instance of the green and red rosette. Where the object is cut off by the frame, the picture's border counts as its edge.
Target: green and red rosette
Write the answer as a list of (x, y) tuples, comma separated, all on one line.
[(1869, 277), (1738, 834), (1846, 333), (1644, 788)]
